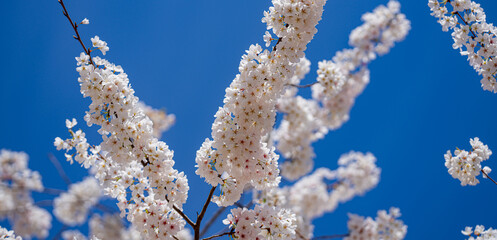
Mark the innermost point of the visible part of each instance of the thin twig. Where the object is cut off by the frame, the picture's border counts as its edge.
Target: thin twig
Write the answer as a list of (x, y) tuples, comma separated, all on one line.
[(52, 191), (59, 233), (59, 168), (105, 208), (486, 175), (219, 212), (464, 21), (202, 213), (331, 236), (301, 236), (220, 235), (44, 203), (75, 27), (212, 220), (302, 86)]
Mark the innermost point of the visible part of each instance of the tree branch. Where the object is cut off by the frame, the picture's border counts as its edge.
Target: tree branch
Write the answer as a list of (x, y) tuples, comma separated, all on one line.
[(486, 175), (202, 213), (52, 191), (105, 208), (183, 215), (44, 203), (331, 236), (75, 27), (211, 220), (220, 235), (302, 86)]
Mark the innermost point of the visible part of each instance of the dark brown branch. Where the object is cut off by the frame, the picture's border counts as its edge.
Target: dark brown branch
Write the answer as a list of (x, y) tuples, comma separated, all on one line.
[(302, 86), (219, 235), (202, 213), (486, 175), (219, 212), (75, 27), (183, 215), (278, 42), (464, 21), (59, 168)]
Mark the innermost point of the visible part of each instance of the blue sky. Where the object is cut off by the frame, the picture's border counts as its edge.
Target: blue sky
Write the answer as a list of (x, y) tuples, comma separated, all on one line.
[(423, 99)]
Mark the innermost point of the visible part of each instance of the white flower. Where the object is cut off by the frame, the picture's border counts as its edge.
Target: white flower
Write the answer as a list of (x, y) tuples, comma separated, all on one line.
[(267, 38), (487, 171), (71, 124), (101, 45), (85, 21), (82, 59), (467, 231)]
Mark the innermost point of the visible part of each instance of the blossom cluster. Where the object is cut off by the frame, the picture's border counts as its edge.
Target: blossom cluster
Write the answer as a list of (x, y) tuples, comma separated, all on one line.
[(466, 166), (72, 207), (470, 29), (238, 154), (110, 226), (384, 226), (17, 182), (131, 164), (339, 82), (380, 30), (263, 222), (323, 190), (480, 233)]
